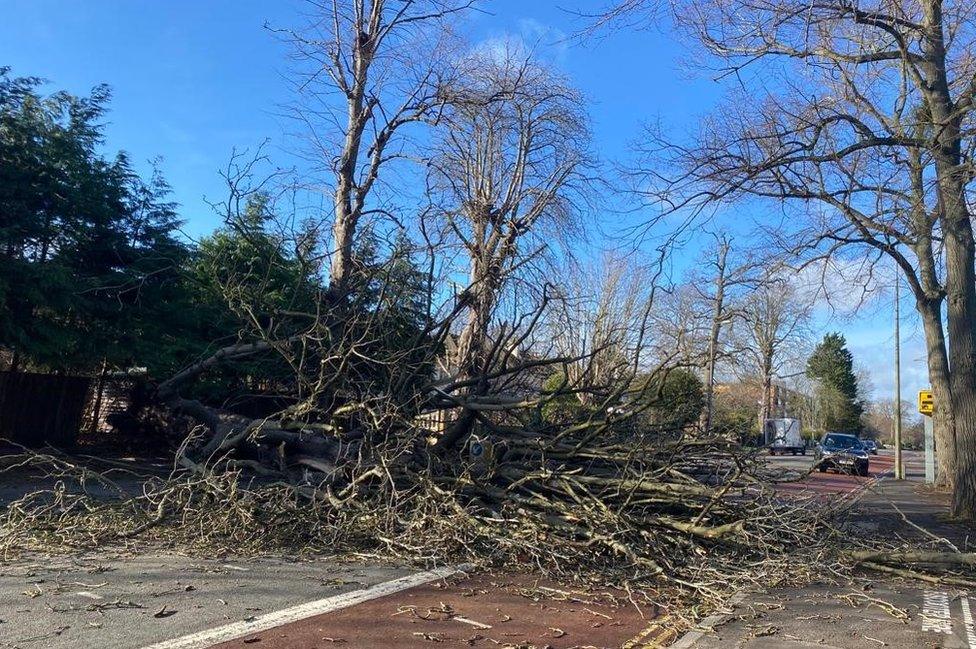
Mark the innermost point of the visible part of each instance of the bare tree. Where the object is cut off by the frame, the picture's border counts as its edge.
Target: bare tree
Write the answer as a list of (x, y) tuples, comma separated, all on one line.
[(718, 284), (871, 118), (603, 320), (880, 418), (359, 89), (774, 327), (718, 320), (681, 323), (507, 167)]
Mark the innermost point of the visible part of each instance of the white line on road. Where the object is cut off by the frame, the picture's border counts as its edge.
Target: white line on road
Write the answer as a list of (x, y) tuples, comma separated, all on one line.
[(935, 612), (967, 620), (695, 634), (267, 621)]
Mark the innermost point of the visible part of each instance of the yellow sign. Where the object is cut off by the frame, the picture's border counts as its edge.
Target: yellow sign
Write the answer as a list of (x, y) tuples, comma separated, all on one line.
[(926, 404)]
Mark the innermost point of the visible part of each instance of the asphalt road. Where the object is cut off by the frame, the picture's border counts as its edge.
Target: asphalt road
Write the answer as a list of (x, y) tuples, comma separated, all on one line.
[(879, 465), (129, 602)]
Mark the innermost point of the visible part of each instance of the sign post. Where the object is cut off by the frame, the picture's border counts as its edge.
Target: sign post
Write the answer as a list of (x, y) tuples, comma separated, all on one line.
[(929, 451), (899, 467), (926, 406)]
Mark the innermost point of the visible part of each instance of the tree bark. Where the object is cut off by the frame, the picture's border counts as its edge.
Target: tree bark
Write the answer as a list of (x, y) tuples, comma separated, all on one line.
[(961, 285), (764, 399), (348, 201), (961, 291), (713, 337), (960, 255), (472, 355), (938, 370)]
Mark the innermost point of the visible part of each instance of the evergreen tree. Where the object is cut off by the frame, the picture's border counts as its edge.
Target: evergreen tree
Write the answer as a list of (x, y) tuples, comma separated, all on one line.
[(832, 366), (88, 255), (677, 402), (237, 283), (390, 297)]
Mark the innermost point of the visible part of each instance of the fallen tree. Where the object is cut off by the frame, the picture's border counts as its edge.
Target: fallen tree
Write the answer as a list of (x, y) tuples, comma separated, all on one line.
[(592, 497), (666, 511)]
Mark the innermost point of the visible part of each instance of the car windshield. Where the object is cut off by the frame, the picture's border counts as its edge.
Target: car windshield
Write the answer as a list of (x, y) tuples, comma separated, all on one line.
[(842, 441)]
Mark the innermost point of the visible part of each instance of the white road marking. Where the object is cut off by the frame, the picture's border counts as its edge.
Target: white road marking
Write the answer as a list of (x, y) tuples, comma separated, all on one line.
[(695, 634), (267, 621), (967, 620), (935, 612)]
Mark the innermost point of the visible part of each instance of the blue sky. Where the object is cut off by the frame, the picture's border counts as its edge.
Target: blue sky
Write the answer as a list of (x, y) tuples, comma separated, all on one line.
[(194, 79)]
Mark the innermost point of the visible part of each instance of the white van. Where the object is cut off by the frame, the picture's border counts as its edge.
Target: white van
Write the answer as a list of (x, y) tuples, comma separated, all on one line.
[(784, 436)]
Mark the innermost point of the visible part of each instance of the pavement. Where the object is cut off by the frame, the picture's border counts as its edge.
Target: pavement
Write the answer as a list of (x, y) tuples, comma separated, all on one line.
[(869, 610), (865, 613)]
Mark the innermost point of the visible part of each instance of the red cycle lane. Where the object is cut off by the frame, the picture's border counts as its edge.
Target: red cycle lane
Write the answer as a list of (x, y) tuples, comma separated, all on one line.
[(836, 483), (479, 611)]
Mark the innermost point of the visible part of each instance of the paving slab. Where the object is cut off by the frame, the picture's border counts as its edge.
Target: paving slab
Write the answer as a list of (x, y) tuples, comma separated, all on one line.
[(895, 614), (871, 610)]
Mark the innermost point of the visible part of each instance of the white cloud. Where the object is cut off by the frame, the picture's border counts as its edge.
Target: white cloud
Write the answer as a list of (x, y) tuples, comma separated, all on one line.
[(530, 37)]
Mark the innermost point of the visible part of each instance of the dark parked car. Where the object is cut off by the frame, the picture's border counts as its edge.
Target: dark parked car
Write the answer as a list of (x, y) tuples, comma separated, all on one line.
[(870, 446), (841, 452)]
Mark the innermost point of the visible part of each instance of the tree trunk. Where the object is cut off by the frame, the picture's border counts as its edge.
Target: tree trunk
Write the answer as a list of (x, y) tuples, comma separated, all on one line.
[(348, 197), (764, 402), (713, 337), (97, 408), (961, 299), (340, 267), (471, 360), (961, 290), (938, 368), (960, 254)]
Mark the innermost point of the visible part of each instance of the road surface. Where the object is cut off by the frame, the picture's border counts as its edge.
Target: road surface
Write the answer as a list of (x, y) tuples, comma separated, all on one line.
[(129, 602), (871, 610), (880, 465), (172, 602)]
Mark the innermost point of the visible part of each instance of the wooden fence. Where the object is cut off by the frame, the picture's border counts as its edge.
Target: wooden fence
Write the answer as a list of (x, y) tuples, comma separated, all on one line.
[(39, 409)]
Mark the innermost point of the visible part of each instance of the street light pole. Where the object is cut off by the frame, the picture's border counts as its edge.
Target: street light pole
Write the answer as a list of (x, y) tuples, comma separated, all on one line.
[(899, 467)]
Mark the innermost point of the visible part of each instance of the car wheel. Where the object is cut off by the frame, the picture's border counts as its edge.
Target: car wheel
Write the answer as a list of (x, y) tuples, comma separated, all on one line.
[(822, 468), (803, 452)]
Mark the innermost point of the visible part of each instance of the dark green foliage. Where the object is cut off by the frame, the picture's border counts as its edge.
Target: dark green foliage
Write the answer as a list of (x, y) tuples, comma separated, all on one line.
[(92, 271), (562, 406), (832, 366), (734, 421), (238, 284), (390, 315), (674, 403), (88, 256)]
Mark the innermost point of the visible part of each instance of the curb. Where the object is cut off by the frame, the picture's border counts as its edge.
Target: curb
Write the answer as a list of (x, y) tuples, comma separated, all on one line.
[(707, 625)]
